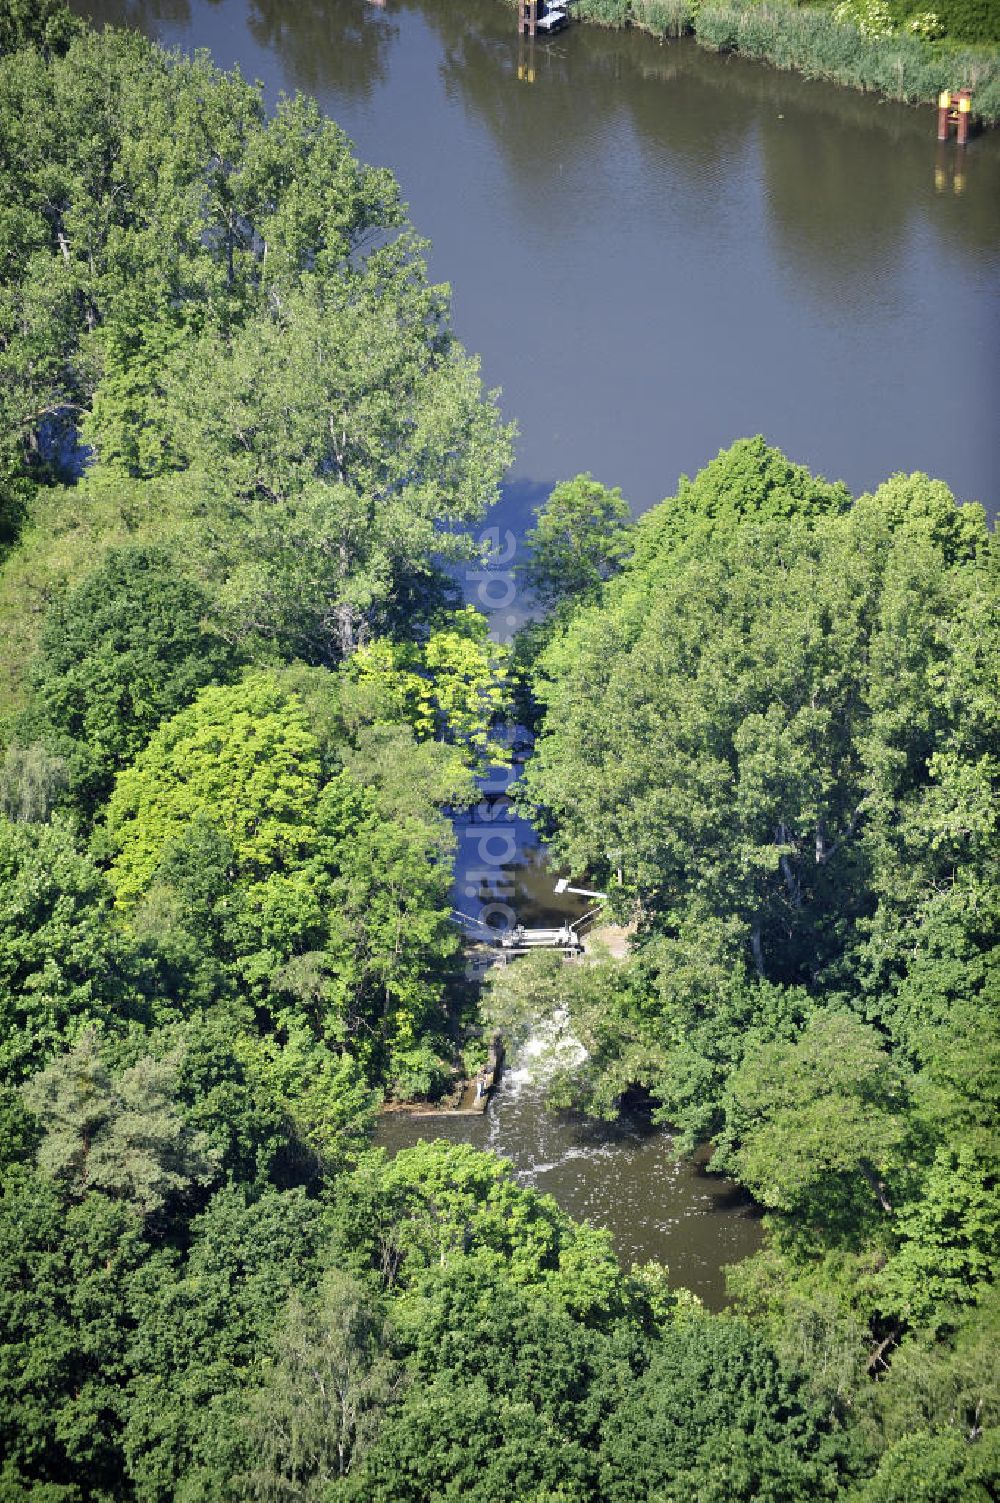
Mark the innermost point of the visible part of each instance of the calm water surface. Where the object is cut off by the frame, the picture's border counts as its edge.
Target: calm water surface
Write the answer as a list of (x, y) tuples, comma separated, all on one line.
[(655, 251)]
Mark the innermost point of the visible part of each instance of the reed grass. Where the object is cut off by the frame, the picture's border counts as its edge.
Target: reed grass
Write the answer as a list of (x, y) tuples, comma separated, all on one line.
[(811, 42), (664, 18), (808, 40)]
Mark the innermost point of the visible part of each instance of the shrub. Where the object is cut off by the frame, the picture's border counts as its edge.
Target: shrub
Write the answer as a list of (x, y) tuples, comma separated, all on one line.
[(419, 1074), (665, 18), (970, 20), (616, 13), (871, 17), (926, 24)]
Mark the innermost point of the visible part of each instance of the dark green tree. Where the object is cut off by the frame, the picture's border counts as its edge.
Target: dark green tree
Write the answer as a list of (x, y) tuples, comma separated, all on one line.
[(779, 732), (121, 1135), (65, 1327), (125, 649), (715, 1418), (63, 963), (202, 1330), (452, 1436), (46, 24)]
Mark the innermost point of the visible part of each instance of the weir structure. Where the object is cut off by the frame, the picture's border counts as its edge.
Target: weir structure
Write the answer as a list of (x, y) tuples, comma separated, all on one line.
[(527, 17), (540, 15), (499, 946)]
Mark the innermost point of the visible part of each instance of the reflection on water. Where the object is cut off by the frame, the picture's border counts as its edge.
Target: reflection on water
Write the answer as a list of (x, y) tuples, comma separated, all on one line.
[(657, 250), (502, 876), (145, 15), (320, 45)]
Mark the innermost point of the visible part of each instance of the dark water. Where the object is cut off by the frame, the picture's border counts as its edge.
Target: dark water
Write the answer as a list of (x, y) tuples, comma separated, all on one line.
[(621, 1177), (502, 875), (656, 250)]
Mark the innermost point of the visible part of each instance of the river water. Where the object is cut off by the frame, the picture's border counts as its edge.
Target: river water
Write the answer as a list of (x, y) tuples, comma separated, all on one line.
[(621, 1176), (655, 251)]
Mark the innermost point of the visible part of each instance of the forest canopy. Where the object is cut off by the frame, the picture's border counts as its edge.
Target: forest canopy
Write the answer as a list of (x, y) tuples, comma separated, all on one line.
[(218, 302), (240, 453), (771, 735)]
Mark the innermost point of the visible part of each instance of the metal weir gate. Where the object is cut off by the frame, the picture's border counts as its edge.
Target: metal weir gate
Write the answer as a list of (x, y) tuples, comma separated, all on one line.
[(499, 946)]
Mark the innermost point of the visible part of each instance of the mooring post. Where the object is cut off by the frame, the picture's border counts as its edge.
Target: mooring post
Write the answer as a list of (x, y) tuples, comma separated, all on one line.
[(964, 112), (527, 22), (954, 108)]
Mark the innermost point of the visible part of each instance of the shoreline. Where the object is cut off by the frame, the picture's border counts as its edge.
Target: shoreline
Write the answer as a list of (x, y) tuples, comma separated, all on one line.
[(900, 67), (469, 1096)]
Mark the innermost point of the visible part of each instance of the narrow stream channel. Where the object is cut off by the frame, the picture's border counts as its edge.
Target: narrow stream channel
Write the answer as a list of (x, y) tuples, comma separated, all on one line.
[(621, 1176)]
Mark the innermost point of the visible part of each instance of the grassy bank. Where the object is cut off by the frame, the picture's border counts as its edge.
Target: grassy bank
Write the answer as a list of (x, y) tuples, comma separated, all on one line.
[(812, 41)]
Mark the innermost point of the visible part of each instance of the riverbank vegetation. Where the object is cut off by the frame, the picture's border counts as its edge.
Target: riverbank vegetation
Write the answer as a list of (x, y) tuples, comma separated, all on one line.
[(239, 448), (772, 737), (900, 49)]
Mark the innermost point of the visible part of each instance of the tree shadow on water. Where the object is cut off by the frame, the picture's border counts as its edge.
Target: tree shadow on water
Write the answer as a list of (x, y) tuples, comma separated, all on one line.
[(499, 588)]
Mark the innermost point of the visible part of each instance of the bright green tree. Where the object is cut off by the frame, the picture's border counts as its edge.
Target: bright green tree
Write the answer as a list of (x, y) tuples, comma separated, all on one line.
[(439, 1201), (243, 758), (948, 1238), (581, 537), (310, 862), (450, 688), (815, 1127), (751, 481)]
